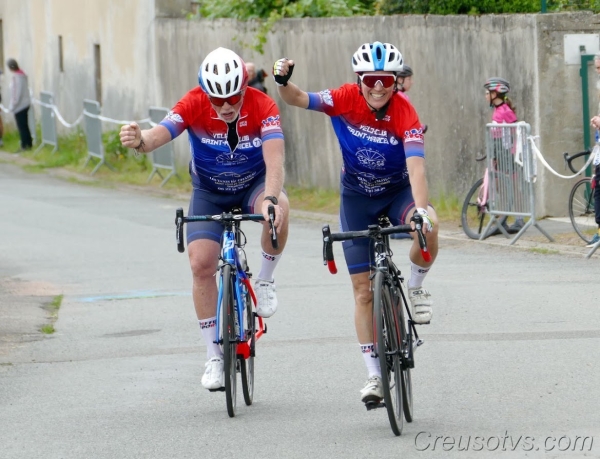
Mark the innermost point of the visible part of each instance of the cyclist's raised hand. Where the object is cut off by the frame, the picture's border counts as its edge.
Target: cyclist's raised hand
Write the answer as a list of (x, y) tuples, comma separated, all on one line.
[(282, 71), (130, 135)]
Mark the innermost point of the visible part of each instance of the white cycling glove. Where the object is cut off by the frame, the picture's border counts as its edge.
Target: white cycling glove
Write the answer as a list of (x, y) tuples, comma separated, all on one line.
[(426, 220)]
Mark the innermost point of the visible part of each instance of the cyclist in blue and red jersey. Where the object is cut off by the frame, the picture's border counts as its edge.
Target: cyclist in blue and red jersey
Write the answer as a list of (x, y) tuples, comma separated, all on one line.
[(237, 149), (381, 141)]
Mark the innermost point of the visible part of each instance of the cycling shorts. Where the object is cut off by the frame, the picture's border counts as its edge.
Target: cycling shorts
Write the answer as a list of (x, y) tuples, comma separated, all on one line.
[(210, 203), (358, 211)]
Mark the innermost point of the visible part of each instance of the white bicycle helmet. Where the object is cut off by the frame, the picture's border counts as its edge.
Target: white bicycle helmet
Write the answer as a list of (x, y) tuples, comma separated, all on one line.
[(222, 73), (377, 56)]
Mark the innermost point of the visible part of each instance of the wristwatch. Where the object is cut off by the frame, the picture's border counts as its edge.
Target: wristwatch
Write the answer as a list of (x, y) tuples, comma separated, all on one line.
[(273, 199)]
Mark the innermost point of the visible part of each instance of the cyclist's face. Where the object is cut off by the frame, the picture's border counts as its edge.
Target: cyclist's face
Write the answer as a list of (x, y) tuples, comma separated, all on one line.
[(378, 95), (227, 112)]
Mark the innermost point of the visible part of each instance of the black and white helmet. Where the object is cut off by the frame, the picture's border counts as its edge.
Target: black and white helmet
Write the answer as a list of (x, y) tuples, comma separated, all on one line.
[(377, 56)]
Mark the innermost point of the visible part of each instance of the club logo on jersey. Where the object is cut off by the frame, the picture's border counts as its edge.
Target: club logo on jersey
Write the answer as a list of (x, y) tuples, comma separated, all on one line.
[(393, 140), (414, 135), (326, 97), (272, 122), (243, 123), (231, 158), (371, 183), (257, 142), (174, 117), (370, 159)]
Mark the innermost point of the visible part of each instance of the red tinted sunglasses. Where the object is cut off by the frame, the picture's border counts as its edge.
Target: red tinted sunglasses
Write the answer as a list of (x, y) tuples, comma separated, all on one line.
[(231, 100), (371, 79)]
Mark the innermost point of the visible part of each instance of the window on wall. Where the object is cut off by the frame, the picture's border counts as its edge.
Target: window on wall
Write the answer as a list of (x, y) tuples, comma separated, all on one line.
[(60, 54), (98, 73)]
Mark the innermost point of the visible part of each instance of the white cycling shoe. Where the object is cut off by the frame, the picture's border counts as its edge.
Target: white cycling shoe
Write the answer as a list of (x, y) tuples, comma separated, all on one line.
[(265, 297), (213, 377), (421, 302), (373, 390)]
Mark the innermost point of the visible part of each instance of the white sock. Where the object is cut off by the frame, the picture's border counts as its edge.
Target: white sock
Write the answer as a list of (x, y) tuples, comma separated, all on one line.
[(267, 267), (208, 329), (417, 275), (372, 362)]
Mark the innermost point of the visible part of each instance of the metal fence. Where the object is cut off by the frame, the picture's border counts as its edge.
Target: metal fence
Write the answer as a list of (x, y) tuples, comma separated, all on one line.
[(511, 172), (48, 122)]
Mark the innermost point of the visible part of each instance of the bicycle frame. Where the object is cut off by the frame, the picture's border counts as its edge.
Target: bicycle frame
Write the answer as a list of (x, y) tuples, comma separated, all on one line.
[(241, 284)]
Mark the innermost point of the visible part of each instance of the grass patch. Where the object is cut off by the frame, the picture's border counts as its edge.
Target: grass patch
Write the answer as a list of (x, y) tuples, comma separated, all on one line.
[(314, 199), (544, 251), (54, 306), (47, 329)]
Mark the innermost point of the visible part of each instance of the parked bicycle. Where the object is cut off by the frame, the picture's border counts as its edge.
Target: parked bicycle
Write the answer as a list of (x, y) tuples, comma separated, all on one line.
[(475, 214), (394, 332), (581, 198), (238, 325)]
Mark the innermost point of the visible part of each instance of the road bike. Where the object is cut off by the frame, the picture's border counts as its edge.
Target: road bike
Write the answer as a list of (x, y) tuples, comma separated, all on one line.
[(581, 199), (394, 334), (238, 325), (475, 214)]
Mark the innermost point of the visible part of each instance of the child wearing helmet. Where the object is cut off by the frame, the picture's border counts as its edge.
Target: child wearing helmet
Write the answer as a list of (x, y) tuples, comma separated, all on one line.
[(382, 146), (504, 111), (234, 164)]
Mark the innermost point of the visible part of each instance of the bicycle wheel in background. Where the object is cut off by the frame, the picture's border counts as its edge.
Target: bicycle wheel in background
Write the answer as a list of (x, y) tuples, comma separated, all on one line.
[(474, 217), (406, 339), (247, 365), (581, 209), (385, 323), (229, 340)]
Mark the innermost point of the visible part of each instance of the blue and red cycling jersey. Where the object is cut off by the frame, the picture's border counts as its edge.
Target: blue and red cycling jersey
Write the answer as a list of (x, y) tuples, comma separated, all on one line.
[(374, 151), (214, 167)]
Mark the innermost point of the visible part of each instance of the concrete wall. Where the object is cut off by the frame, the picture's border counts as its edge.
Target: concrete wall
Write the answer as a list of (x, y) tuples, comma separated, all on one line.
[(151, 55)]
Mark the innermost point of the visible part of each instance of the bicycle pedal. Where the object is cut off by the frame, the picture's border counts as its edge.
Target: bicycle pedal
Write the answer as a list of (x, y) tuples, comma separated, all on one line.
[(373, 405), (220, 389)]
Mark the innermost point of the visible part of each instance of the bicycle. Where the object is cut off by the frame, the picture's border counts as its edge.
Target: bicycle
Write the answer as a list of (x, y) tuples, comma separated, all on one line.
[(581, 201), (236, 300), (394, 332)]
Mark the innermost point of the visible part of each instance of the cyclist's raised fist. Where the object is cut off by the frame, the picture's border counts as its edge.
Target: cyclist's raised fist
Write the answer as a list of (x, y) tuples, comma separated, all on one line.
[(130, 135), (282, 71)]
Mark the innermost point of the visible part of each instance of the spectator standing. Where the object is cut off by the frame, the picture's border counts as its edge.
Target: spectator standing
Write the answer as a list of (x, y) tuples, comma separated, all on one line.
[(20, 101), (256, 79), (496, 94)]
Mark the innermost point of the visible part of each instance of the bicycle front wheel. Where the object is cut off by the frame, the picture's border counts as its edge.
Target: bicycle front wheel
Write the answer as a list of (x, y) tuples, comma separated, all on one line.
[(386, 333), (406, 340), (247, 365), (229, 336), (475, 216), (581, 209)]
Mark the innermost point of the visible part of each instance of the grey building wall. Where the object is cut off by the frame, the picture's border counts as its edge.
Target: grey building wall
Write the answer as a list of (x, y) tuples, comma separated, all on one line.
[(151, 55)]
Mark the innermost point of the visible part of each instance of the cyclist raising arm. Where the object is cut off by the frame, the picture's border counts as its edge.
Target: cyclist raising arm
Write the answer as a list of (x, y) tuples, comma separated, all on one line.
[(381, 140), (237, 151)]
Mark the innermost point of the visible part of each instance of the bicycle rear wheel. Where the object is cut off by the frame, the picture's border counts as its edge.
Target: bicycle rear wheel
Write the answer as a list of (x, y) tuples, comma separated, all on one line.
[(229, 340), (474, 217), (581, 209), (386, 333), (247, 365)]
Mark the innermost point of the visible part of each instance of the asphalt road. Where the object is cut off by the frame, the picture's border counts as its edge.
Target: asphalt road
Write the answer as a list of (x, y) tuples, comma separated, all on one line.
[(509, 364)]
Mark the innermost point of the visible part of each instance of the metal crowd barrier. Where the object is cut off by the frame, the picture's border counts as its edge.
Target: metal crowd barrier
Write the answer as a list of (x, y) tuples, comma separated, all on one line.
[(511, 169), (49, 136)]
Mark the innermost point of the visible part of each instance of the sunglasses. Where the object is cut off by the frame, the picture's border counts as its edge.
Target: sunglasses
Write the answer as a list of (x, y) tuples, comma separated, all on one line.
[(370, 80), (231, 100)]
